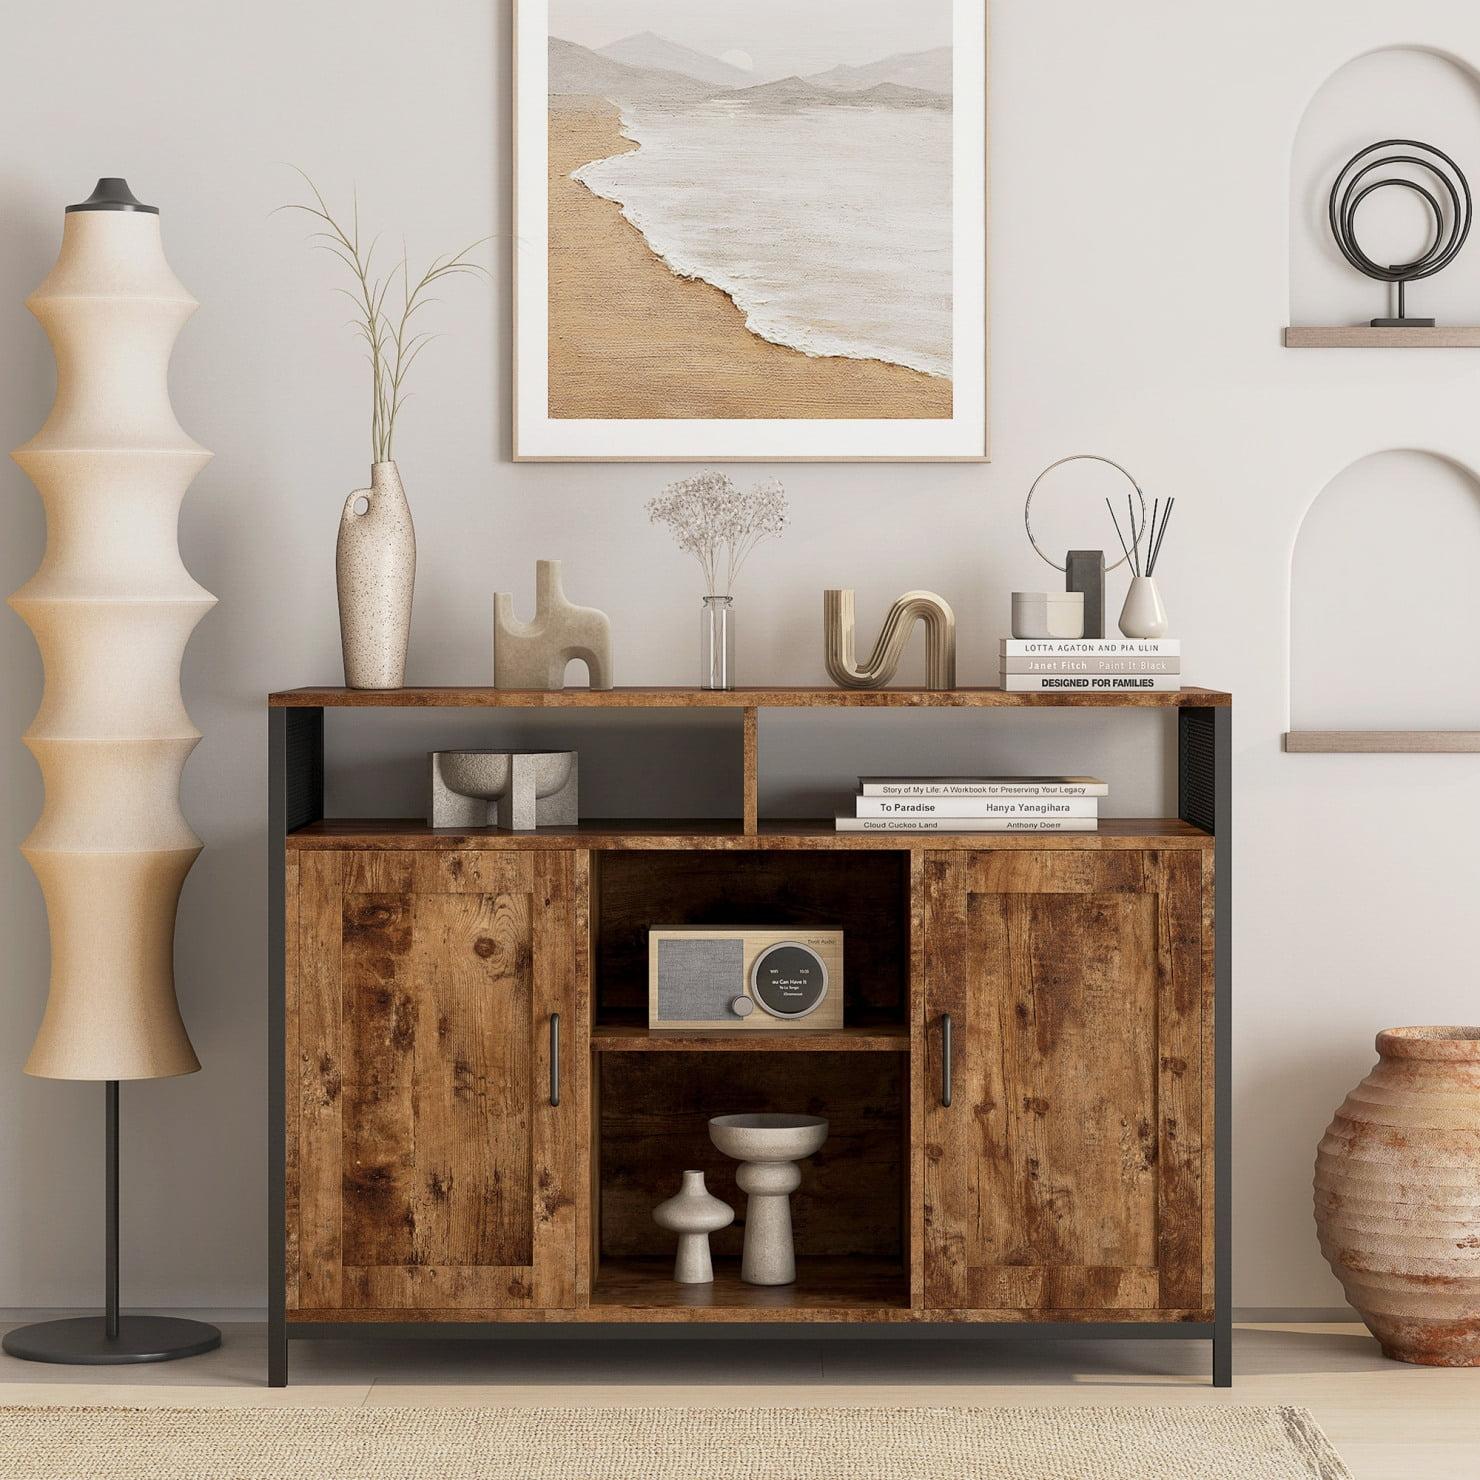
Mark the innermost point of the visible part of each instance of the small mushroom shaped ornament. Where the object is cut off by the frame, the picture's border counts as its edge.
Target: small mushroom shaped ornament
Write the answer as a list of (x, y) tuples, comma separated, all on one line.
[(693, 1213)]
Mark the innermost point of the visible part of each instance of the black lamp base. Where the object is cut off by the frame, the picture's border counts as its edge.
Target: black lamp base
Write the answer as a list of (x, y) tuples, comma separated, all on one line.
[(83, 1341), (1404, 323)]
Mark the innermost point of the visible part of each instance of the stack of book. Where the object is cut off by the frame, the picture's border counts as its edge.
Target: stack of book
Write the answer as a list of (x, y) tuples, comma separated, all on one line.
[(975, 804), (1090, 664)]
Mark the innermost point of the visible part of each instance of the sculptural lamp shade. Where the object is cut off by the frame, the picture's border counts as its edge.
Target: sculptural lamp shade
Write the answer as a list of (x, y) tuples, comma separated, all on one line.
[(112, 608)]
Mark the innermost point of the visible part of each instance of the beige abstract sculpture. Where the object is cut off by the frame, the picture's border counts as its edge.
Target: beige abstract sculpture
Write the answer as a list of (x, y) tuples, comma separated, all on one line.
[(883, 662), (533, 655), (112, 608)]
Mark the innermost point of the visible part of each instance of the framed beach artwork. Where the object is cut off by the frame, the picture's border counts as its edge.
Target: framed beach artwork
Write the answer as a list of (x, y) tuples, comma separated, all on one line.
[(750, 230)]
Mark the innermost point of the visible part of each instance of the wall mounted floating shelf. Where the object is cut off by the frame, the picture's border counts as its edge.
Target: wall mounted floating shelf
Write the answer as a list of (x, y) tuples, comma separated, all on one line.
[(1457, 336), (1382, 742)]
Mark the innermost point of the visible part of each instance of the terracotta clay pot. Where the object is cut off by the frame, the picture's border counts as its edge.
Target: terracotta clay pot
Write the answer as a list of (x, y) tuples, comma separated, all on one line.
[(1398, 1196)]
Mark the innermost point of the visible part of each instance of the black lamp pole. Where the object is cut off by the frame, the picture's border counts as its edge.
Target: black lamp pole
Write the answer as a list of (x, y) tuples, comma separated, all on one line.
[(98, 1341)]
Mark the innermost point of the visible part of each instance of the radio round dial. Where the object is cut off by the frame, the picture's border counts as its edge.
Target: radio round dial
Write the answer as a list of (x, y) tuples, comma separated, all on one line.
[(788, 979), (742, 1006)]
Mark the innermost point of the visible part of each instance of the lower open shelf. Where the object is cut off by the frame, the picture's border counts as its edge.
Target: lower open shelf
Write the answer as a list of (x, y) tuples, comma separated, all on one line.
[(825, 1289)]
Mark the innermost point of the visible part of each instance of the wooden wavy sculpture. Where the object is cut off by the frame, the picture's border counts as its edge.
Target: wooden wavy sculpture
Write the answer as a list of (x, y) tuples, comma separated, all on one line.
[(912, 607)]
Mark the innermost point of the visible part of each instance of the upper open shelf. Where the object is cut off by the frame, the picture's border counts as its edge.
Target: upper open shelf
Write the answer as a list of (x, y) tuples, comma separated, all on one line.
[(454, 697)]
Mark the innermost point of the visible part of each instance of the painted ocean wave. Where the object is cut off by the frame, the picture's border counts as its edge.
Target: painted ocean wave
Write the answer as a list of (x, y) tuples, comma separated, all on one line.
[(829, 228)]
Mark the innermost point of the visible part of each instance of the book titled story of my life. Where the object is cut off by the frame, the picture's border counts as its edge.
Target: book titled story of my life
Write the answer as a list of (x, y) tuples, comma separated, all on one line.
[(1091, 647), (978, 807), (1098, 683), (967, 824), (982, 786)]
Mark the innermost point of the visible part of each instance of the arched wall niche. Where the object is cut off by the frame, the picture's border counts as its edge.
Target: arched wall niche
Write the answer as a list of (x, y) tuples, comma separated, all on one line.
[(1385, 609), (1410, 92)]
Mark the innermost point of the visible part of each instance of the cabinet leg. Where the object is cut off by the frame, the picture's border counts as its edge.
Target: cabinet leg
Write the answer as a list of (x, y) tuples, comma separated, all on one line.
[(1223, 1354), (277, 1350)]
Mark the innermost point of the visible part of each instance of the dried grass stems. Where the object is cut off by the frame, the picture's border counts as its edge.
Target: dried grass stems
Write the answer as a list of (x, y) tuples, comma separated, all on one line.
[(720, 524), (384, 317), (1154, 534)]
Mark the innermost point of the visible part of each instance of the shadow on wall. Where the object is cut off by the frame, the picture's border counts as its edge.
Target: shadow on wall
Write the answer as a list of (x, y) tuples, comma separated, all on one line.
[(1384, 605), (1286, 1095), (1399, 92), (28, 247)]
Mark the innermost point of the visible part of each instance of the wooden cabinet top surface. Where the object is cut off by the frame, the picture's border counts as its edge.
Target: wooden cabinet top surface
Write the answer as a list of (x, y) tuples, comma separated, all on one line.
[(457, 697)]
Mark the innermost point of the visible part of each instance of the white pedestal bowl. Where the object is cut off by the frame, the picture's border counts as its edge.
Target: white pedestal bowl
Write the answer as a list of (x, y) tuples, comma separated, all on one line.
[(768, 1146)]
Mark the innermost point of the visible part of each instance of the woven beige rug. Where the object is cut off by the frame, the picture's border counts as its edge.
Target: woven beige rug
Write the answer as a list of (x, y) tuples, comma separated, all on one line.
[(1199, 1442)]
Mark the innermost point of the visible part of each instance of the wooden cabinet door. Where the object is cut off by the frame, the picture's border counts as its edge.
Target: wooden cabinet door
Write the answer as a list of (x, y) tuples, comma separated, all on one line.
[(1067, 1178), (428, 1169)]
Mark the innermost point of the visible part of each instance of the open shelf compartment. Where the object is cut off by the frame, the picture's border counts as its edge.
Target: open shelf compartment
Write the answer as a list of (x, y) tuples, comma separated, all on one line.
[(850, 1215), (864, 893)]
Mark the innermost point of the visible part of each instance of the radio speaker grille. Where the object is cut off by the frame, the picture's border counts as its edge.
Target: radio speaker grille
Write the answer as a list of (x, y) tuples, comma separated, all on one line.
[(697, 979)]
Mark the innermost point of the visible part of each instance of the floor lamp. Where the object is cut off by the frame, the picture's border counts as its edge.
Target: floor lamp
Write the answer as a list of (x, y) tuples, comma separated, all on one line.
[(112, 608)]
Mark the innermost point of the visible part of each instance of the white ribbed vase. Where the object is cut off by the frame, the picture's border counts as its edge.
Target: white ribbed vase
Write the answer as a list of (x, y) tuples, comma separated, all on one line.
[(112, 608)]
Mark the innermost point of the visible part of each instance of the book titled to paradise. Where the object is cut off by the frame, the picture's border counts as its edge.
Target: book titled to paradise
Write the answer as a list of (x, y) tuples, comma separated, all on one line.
[(982, 786), (907, 807), (966, 824), (1100, 683), (1091, 647)]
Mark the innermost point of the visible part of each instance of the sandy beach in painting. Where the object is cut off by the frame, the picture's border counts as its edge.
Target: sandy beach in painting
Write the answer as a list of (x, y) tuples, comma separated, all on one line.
[(630, 339)]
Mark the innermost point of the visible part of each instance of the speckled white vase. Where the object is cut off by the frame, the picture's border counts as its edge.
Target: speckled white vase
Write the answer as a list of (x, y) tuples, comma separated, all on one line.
[(693, 1213), (375, 566)]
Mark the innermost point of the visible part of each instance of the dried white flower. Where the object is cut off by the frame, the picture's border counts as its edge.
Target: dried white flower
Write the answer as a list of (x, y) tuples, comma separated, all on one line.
[(718, 524)]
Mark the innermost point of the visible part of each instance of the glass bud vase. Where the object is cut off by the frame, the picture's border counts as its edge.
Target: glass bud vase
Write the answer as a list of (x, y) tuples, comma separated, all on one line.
[(717, 643)]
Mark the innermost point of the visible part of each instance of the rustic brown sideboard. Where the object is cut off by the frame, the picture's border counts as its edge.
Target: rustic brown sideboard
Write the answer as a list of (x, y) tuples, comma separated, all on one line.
[(470, 1121)]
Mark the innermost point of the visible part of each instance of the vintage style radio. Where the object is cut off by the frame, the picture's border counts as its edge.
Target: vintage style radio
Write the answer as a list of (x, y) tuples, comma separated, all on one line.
[(744, 976)]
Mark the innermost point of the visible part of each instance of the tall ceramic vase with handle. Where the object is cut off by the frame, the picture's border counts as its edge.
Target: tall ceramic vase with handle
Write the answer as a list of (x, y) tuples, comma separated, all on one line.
[(375, 566)]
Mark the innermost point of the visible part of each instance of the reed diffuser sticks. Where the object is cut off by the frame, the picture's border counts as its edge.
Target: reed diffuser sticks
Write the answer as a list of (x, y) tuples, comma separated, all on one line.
[(1154, 534)]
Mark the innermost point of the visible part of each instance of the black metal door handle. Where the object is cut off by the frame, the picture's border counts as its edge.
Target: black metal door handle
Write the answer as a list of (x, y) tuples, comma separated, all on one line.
[(945, 1059), (554, 1058)]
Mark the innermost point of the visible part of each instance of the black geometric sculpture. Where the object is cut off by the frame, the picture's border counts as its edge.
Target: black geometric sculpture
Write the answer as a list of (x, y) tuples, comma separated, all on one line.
[(1451, 223)]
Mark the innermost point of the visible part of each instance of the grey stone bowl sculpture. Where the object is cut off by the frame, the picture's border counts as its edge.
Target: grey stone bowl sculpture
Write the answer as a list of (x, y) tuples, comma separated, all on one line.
[(768, 1146), (515, 789)]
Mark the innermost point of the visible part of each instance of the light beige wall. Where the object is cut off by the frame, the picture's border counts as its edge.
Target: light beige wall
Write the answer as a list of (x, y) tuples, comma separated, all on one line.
[(1140, 241)]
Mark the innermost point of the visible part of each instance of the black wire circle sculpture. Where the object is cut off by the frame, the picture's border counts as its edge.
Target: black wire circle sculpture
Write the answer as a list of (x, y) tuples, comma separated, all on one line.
[(1450, 217)]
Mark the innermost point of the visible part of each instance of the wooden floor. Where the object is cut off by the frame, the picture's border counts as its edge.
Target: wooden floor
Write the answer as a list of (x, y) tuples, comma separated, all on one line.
[(1389, 1421)]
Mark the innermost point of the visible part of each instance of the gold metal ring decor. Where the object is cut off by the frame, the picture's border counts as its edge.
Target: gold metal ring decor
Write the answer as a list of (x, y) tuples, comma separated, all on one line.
[(880, 666)]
